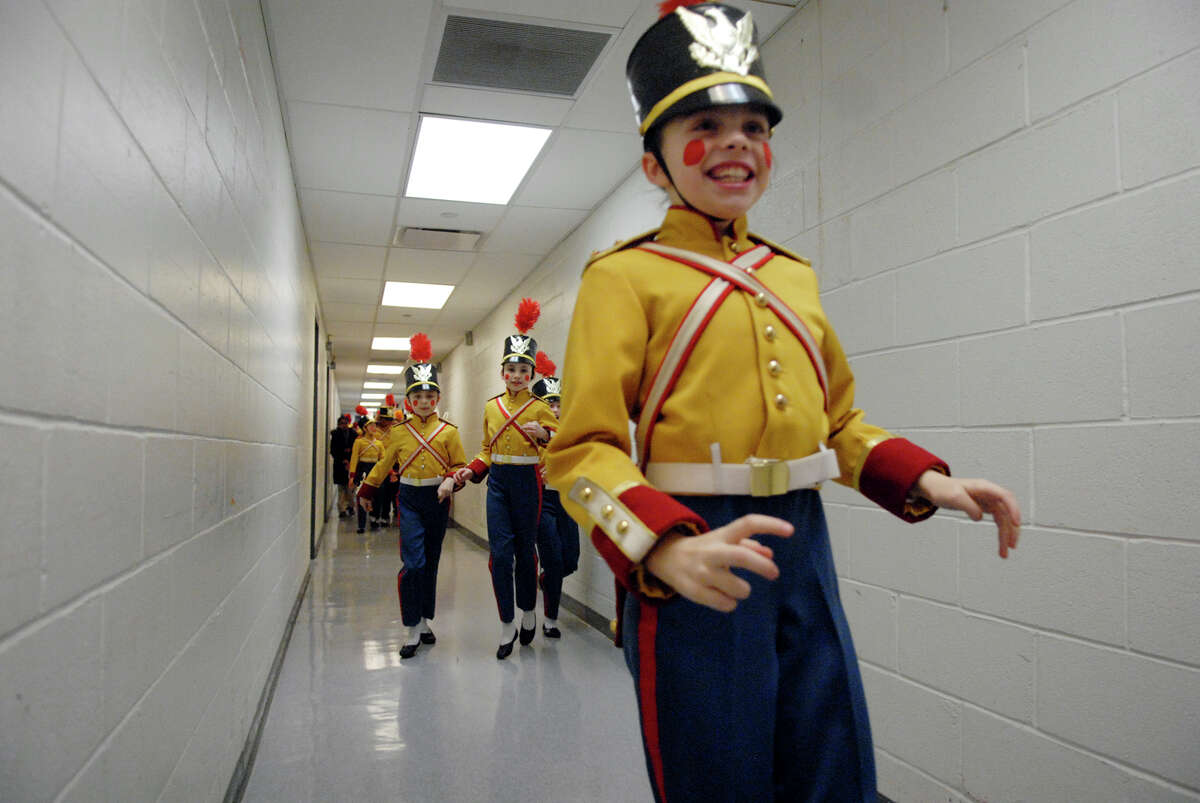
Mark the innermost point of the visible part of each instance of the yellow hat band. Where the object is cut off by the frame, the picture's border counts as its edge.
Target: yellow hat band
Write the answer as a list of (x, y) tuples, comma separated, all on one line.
[(697, 84)]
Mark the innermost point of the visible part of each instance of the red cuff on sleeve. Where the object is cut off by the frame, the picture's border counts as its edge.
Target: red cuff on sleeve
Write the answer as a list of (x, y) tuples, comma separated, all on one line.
[(479, 469), (892, 469), (657, 511), (366, 492)]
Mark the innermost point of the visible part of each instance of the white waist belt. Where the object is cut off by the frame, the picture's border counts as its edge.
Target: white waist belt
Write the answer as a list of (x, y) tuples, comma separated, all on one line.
[(421, 483), (756, 477), (516, 459)]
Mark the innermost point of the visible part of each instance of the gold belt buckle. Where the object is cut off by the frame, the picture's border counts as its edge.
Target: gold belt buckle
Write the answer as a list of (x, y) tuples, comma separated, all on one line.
[(768, 476)]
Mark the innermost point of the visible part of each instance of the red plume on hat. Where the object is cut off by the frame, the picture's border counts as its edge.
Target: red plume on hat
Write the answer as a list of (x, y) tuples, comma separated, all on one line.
[(527, 314), (420, 349), (667, 6), (391, 400), (360, 410), (544, 365), (407, 405)]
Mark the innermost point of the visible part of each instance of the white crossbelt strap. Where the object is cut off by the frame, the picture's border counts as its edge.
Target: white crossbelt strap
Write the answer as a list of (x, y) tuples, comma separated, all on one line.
[(424, 445), (755, 477), (684, 340), (510, 420), (746, 281)]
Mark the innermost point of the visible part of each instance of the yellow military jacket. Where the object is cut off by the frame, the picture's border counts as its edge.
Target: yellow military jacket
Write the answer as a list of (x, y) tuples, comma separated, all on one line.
[(442, 437), (365, 449), (501, 443), (749, 386)]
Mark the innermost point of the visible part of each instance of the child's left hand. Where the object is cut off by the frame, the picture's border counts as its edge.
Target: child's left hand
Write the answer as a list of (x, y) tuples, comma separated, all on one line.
[(445, 489), (976, 497)]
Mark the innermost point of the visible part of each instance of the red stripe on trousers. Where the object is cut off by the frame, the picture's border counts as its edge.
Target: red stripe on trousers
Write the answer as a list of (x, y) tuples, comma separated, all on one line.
[(647, 688)]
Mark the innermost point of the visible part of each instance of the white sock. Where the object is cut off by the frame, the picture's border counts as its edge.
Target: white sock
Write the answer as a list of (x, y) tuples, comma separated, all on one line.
[(424, 626), (412, 635), (508, 632), (528, 620), (549, 623)]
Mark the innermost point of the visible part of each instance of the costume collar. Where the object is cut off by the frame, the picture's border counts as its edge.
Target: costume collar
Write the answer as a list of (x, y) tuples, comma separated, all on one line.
[(685, 227), (519, 396)]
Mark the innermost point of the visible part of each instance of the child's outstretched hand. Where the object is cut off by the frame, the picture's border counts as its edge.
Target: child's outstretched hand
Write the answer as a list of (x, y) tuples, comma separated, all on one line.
[(698, 566), (976, 497), (446, 488)]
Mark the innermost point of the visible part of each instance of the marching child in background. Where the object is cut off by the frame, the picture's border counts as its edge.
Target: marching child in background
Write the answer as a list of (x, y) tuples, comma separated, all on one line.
[(515, 426), (429, 451), (558, 536), (714, 341), (363, 457)]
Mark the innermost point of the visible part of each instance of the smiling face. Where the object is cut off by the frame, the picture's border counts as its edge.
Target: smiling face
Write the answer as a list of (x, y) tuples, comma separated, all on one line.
[(424, 402), (516, 375), (718, 158)]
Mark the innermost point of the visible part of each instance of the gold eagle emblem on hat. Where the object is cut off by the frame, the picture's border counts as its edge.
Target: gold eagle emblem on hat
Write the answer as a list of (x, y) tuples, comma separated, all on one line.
[(422, 373), (719, 43), (520, 345)]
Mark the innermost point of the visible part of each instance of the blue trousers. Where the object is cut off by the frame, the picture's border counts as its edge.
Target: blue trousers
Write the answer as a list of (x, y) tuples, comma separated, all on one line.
[(422, 530), (513, 507), (764, 703), (558, 550)]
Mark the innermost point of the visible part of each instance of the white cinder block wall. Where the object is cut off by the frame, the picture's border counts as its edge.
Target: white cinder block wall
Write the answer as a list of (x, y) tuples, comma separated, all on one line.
[(156, 311), (1002, 201)]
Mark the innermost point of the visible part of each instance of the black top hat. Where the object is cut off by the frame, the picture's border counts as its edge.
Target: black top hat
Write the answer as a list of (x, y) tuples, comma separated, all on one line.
[(694, 57), (522, 347), (423, 375)]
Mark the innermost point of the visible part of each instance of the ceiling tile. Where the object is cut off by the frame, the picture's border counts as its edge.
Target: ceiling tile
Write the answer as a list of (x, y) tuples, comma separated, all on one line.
[(530, 230), (340, 330), (349, 291), (365, 53), (355, 313), (347, 261), (431, 214), (613, 13), (344, 217), (408, 316), (604, 104), (512, 107), (578, 168), (435, 267), (348, 149)]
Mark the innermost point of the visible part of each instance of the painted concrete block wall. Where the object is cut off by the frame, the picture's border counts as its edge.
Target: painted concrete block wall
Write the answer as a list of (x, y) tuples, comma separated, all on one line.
[(1001, 201), (156, 310)]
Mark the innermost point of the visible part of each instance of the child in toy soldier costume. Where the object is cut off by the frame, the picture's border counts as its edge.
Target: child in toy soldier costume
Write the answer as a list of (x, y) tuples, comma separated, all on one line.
[(515, 426), (363, 457), (429, 451), (714, 341), (558, 536)]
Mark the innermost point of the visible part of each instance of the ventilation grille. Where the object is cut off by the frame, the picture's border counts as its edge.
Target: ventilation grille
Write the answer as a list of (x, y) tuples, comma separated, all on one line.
[(495, 54), (436, 239)]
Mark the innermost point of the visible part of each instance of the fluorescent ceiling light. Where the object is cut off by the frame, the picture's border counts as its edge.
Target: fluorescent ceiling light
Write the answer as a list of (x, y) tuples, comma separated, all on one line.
[(414, 294), (389, 344), (369, 405), (385, 369), (470, 160), (378, 385), (366, 396)]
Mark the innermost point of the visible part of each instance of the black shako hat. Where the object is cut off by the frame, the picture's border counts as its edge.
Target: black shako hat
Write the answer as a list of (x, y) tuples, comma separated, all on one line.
[(423, 374), (696, 57), (522, 347)]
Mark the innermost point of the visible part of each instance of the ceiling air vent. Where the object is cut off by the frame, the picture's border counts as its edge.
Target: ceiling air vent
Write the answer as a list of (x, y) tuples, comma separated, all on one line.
[(495, 54), (436, 239)]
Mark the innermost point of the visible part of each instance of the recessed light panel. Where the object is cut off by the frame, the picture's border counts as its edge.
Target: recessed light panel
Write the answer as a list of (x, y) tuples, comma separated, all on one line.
[(472, 160), (416, 295)]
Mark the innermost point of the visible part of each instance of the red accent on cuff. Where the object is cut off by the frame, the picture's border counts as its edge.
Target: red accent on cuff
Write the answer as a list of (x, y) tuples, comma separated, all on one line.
[(479, 469), (622, 567), (658, 511), (891, 470), (366, 492)]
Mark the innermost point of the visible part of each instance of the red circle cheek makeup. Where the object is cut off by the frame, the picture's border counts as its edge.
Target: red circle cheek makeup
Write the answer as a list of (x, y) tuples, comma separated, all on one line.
[(693, 154), (767, 154)]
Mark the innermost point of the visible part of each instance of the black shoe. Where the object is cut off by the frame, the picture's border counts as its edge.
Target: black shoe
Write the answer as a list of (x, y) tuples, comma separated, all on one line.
[(551, 632), (527, 636), (374, 525), (409, 650), (505, 650), (360, 531), (427, 637)]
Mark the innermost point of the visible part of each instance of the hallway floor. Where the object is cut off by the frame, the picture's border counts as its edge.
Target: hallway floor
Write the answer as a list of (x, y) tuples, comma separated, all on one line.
[(350, 721)]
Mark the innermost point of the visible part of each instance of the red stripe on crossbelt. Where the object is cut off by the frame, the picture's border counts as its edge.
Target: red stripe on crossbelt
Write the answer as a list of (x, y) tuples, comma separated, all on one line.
[(648, 689)]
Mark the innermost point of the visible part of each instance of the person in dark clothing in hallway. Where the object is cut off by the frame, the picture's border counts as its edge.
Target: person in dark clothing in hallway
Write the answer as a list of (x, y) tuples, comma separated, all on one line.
[(341, 443)]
